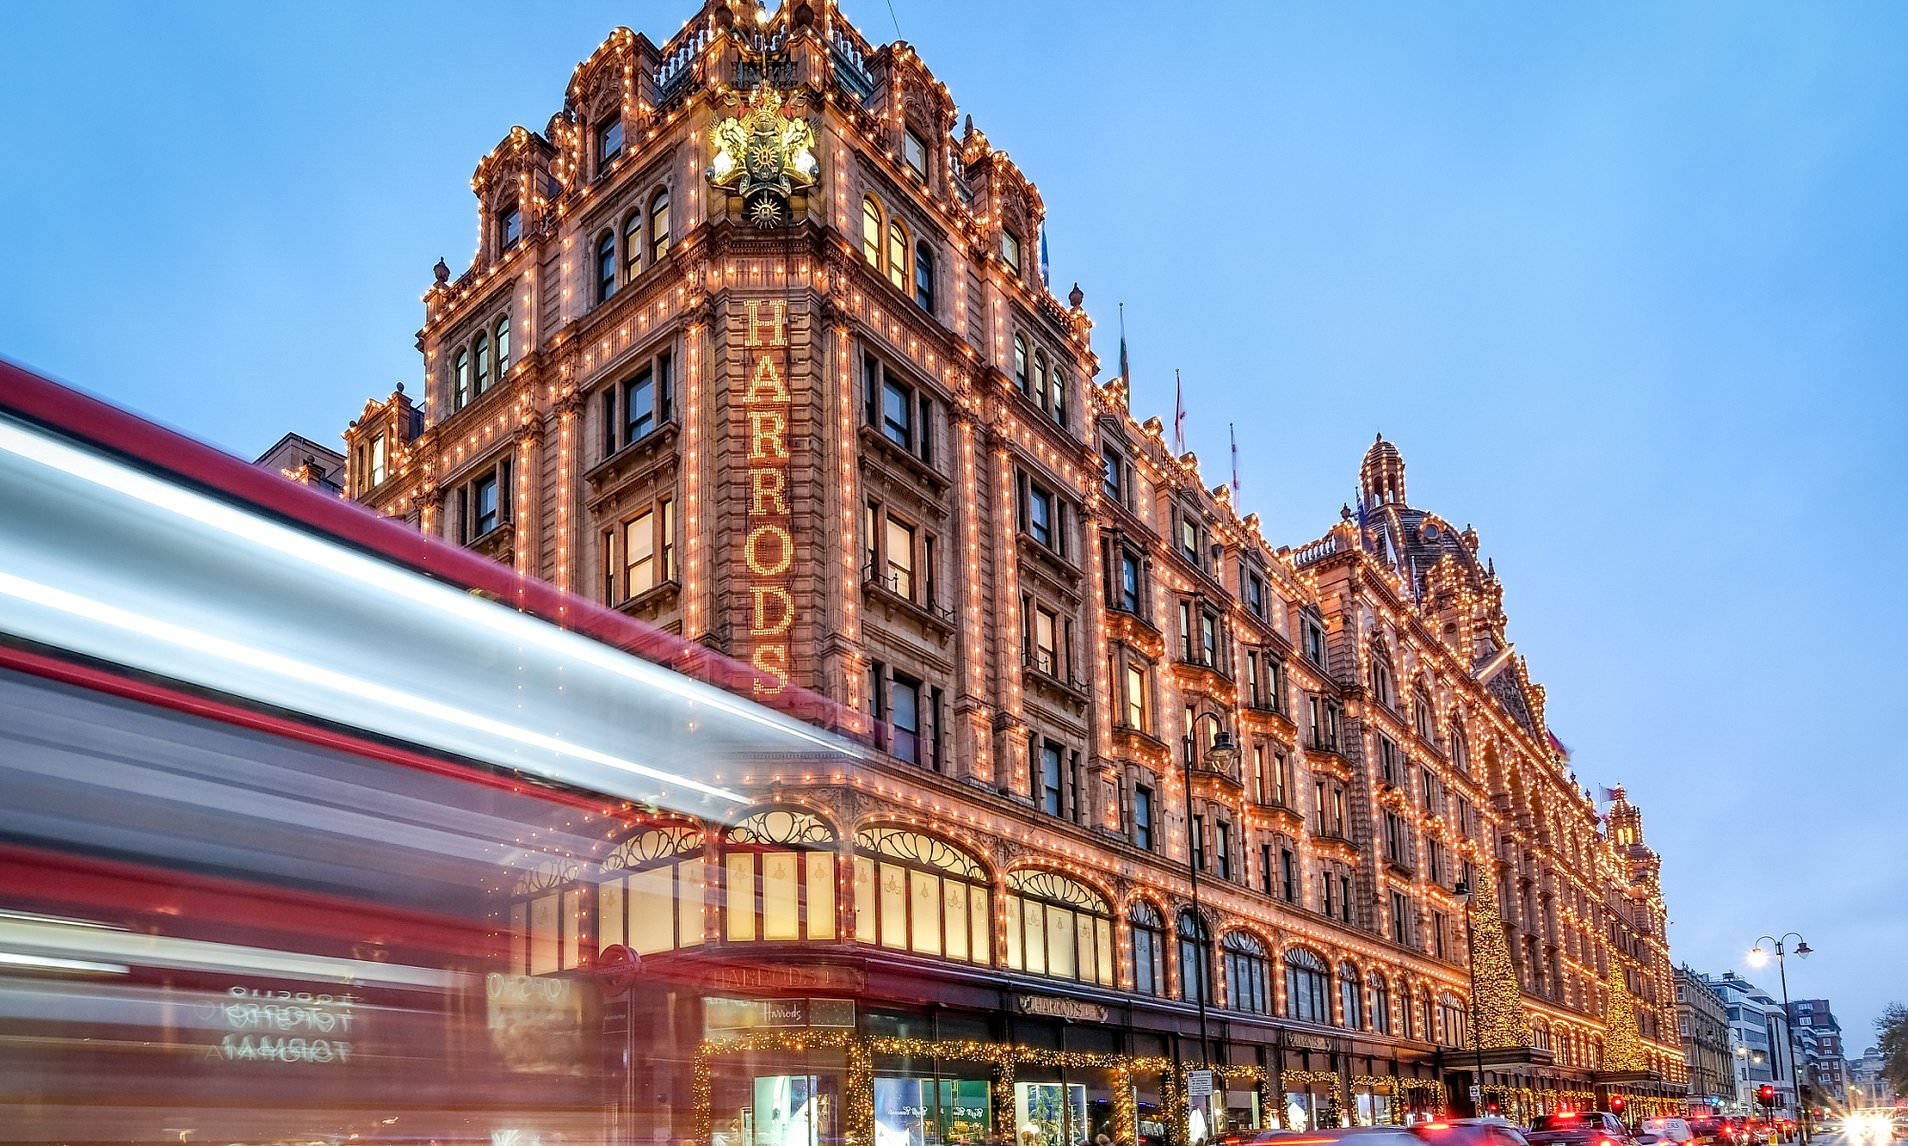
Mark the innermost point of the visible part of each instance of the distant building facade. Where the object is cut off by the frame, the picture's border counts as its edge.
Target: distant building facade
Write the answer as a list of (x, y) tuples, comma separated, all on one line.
[(1826, 1073), (1702, 1019), (1867, 1085), (1759, 1035), (303, 460)]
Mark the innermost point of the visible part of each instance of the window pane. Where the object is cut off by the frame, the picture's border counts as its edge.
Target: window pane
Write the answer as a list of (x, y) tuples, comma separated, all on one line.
[(781, 896), (955, 894), (980, 939), (543, 934), (609, 913), (1103, 948), (739, 900), (926, 912), (519, 937), (689, 903), (871, 232), (894, 906), (1013, 933), (866, 890), (652, 910), (897, 256), (821, 895), (1086, 962), (1035, 936), (901, 558), (572, 930), (1060, 960)]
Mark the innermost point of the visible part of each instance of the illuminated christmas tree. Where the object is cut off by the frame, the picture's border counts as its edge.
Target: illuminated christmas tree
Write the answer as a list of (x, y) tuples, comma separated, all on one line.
[(1622, 1046), (1500, 1002)]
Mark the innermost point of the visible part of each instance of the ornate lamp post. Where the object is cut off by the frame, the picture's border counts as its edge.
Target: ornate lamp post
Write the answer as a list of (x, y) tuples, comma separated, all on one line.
[(1758, 957)]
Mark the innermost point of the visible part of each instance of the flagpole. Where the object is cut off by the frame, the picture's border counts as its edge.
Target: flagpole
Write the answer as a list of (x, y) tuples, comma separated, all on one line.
[(1179, 416)]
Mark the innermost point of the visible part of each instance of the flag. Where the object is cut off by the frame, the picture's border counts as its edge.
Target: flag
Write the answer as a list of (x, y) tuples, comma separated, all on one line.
[(1126, 374), (1559, 746), (1045, 272), (1179, 416), (1234, 435), (1609, 795)]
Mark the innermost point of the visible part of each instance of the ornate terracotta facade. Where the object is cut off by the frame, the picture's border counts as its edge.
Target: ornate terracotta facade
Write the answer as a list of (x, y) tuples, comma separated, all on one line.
[(865, 451)]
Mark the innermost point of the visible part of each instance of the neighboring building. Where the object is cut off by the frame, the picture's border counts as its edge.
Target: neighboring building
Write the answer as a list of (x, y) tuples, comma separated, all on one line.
[(865, 454), (1867, 1085), (1759, 1036), (303, 460), (1826, 1073), (1702, 1019)]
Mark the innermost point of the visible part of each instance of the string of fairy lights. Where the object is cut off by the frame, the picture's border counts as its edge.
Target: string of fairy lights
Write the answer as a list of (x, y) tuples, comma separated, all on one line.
[(585, 349)]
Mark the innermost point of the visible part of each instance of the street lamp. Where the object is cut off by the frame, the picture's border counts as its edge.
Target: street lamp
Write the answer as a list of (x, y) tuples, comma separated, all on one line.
[(1220, 757), (1759, 957), (1463, 892)]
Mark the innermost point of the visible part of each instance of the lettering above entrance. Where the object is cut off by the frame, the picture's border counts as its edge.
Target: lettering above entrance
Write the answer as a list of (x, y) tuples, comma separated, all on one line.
[(1052, 1007)]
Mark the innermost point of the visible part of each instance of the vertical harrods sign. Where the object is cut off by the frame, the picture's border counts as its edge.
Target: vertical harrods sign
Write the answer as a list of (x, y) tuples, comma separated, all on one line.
[(768, 549)]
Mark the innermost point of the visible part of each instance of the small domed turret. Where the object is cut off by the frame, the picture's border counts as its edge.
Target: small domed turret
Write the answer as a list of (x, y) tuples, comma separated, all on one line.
[(1383, 474)]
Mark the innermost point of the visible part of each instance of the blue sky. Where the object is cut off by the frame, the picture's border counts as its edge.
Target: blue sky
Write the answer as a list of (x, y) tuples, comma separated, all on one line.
[(1624, 281)]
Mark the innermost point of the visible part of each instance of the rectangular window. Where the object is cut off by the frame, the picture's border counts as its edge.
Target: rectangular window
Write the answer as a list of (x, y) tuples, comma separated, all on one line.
[(1050, 787), (1113, 473), (905, 706), (1136, 697), (1255, 593), (1010, 251), (1400, 925), (1189, 538), (1129, 582), (1222, 847), (1143, 817), (1344, 897), (486, 514), (1315, 644), (639, 553), (1209, 640), (914, 153), (509, 227), (639, 406), (1288, 875), (897, 414), (1437, 934), (609, 142), (378, 473), (1199, 842), (1046, 653), (900, 545), (1040, 516), (1265, 868)]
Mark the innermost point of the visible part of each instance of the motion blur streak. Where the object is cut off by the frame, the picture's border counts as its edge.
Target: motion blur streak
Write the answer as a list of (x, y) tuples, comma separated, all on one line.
[(112, 563)]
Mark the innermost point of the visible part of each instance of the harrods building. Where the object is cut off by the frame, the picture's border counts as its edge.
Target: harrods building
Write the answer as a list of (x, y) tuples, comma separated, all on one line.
[(756, 348)]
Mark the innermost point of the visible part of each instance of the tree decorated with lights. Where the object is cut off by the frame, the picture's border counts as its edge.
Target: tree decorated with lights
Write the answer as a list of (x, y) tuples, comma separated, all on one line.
[(1500, 1002), (1623, 1045)]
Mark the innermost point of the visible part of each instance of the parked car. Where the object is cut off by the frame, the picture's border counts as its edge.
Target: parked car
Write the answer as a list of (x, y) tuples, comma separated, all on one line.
[(1706, 1131), (1675, 1130)]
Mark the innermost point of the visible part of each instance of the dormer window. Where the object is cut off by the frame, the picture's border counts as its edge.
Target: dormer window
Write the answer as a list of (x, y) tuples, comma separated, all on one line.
[(1010, 251), (509, 227), (609, 142), (914, 153)]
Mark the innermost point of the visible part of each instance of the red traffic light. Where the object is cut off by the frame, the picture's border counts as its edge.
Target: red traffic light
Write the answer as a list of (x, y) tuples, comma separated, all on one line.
[(1766, 1094), (1616, 1104)]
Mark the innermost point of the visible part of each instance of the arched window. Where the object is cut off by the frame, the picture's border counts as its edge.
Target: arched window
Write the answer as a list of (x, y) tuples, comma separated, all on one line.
[(924, 277), (916, 893), (605, 266), (1305, 987), (1195, 959), (481, 348), (1057, 926), (1382, 686), (1020, 366), (1149, 948), (503, 346), (460, 388), (1247, 985), (871, 231), (1460, 750), (632, 245), (898, 254), (1451, 1014), (658, 227), (545, 912), (1351, 997), (650, 897), (778, 875), (1380, 1004), (1040, 378)]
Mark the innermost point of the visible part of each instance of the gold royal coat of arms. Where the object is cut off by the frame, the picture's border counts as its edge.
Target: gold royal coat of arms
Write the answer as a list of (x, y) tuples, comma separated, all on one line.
[(764, 154)]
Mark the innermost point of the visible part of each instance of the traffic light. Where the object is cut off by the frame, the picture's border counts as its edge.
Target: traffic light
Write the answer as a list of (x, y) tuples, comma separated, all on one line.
[(1765, 1094), (1616, 1104)]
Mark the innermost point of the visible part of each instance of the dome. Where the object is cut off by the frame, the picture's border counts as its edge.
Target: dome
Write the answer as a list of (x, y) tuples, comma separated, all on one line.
[(1382, 477)]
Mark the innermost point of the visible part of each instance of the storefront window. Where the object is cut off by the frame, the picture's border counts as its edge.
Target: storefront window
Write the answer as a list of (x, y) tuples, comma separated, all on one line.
[(1451, 1013), (1246, 986), (779, 877), (651, 895), (1058, 926), (1350, 997), (1380, 1004), (1375, 1105), (1050, 1113), (1195, 960), (914, 892), (1305, 987), (931, 1111)]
